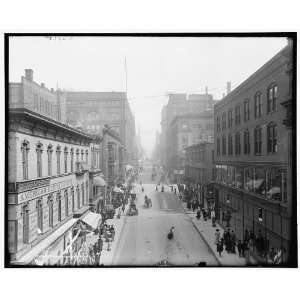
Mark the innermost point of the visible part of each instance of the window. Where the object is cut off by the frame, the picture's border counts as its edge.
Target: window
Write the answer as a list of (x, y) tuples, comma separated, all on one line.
[(58, 152), (272, 138), (224, 121), (49, 154), (86, 156), (82, 191), (230, 120), (249, 179), (237, 144), (39, 208), (218, 146), (72, 160), (58, 199), (230, 145), (237, 115), (272, 98), (218, 124), (258, 140), (246, 110), (274, 184), (257, 105), (78, 197), (77, 155), (260, 181), (25, 214), (246, 142), (50, 206), (25, 149), (239, 177), (73, 199), (39, 151), (223, 145), (66, 203), (66, 159), (82, 155), (35, 102)]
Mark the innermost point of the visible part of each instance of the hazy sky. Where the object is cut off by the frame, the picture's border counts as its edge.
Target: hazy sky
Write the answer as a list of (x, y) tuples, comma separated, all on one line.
[(156, 66)]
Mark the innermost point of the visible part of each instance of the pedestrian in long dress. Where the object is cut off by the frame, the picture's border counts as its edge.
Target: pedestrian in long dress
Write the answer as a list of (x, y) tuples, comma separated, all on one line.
[(220, 247), (233, 241), (217, 236), (239, 247)]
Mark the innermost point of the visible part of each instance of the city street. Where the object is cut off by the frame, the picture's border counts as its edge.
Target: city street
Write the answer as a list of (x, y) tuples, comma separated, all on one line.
[(144, 237)]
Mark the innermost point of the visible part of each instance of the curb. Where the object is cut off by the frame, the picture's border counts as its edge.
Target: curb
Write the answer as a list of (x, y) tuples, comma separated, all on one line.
[(206, 243)]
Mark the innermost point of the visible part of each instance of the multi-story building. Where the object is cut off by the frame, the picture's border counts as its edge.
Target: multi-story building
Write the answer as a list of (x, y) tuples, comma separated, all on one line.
[(251, 156), (48, 180), (199, 169), (180, 104), (184, 131), (92, 110)]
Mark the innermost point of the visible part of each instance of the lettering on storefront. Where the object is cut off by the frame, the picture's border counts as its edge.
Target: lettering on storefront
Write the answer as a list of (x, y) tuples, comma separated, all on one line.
[(44, 190)]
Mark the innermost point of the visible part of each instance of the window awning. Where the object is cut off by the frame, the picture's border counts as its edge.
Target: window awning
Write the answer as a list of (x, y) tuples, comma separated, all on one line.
[(99, 181), (92, 219)]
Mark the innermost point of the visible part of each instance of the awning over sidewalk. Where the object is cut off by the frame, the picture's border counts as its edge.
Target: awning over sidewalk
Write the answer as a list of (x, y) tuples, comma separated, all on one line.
[(99, 181), (92, 219)]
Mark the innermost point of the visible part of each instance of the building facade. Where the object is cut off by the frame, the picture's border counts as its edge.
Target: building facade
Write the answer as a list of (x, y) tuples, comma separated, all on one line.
[(180, 104), (251, 156), (199, 169), (48, 179), (184, 131), (92, 110)]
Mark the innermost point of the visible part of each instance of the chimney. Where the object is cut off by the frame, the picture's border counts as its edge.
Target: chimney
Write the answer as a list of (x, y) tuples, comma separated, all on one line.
[(42, 84), (29, 74), (206, 90), (228, 87)]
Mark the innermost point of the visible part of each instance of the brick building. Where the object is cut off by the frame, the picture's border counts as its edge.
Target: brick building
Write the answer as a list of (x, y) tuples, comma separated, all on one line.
[(252, 154), (92, 110), (199, 169)]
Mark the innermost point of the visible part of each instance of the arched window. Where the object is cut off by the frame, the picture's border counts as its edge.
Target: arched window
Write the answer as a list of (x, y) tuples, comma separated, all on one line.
[(66, 159), (272, 138), (50, 207), (82, 192), (218, 146), (230, 119), (77, 155), (73, 199), (272, 94), (58, 153), (39, 151), (258, 140), (25, 214), (25, 149), (257, 105), (223, 120), (66, 203), (87, 156), (78, 196), (237, 115), (82, 155), (246, 110), (246, 142), (49, 154), (72, 160), (237, 144), (39, 208), (58, 199)]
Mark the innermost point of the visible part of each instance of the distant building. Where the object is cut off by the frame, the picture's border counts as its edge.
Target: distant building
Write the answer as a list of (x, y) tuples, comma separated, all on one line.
[(252, 155), (184, 131), (180, 104), (92, 110)]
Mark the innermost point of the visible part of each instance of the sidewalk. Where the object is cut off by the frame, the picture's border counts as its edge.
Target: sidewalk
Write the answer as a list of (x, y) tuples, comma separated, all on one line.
[(107, 256), (207, 232)]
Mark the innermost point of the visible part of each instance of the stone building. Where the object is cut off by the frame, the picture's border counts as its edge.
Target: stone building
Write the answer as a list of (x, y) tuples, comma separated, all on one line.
[(252, 154), (48, 180), (180, 104), (184, 131), (92, 110)]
